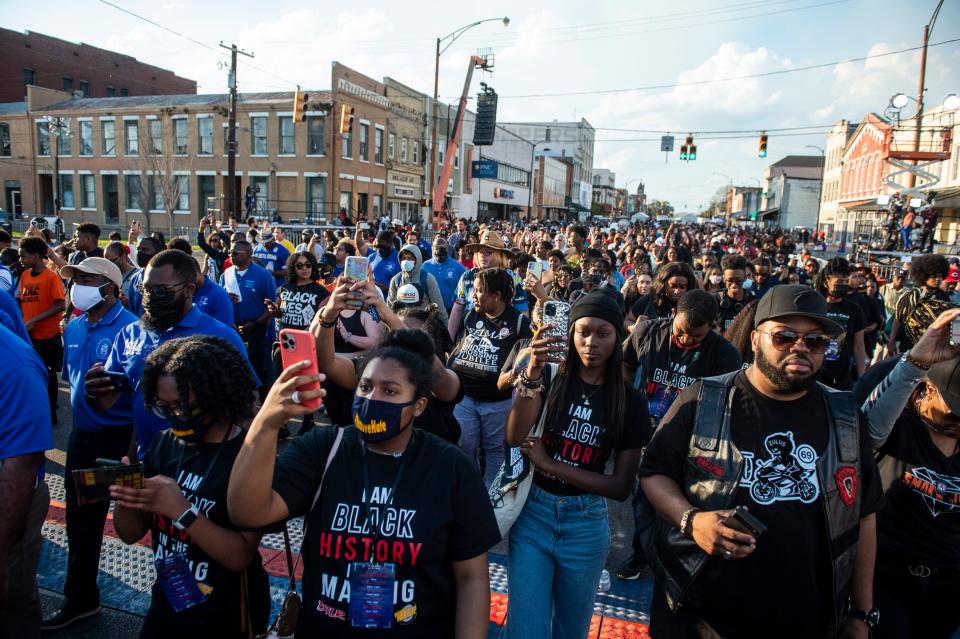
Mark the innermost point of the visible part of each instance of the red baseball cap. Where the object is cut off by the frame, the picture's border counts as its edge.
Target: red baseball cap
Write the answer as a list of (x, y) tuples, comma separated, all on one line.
[(953, 275)]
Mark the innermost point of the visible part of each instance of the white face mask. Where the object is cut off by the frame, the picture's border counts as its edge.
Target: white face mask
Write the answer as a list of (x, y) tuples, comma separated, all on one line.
[(407, 266), (747, 284), (715, 279), (85, 297)]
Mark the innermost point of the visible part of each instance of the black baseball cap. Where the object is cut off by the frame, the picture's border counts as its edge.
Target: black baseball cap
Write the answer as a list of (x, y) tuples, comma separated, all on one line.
[(789, 300), (946, 377)]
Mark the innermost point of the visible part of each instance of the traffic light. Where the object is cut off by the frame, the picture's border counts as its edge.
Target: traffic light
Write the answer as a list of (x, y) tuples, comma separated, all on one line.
[(683, 152), (692, 153), (762, 149), (300, 106), (689, 150), (346, 119)]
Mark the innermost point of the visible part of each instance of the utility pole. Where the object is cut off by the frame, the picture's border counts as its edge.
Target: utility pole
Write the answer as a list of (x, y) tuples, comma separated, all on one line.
[(432, 184), (232, 129), (927, 28)]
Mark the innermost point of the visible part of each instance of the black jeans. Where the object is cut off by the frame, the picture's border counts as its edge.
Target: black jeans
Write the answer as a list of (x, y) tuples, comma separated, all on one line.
[(85, 523), (258, 352), (916, 602), (50, 351)]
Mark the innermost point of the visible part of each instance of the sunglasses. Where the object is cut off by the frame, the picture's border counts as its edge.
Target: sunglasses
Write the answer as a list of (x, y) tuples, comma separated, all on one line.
[(302, 265), (785, 340)]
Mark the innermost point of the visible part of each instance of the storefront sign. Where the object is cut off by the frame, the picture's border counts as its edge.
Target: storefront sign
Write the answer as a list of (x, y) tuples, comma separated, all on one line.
[(366, 94), (484, 169), (501, 192), (402, 191), (395, 177)]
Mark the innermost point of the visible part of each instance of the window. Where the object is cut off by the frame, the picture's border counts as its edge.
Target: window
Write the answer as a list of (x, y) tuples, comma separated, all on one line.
[(258, 135), (124, 92), (346, 146), (316, 196), (111, 91), (314, 135), (440, 151), (416, 153), (377, 200), (205, 136), (155, 193), (378, 146), (84, 88), (5, 149), (133, 192), (403, 149), (43, 139), (108, 136), (66, 191), (155, 139), (29, 77), (364, 142), (180, 136), (86, 137), (67, 83), (183, 192), (260, 193), (88, 193), (391, 145), (288, 139), (131, 136), (507, 173)]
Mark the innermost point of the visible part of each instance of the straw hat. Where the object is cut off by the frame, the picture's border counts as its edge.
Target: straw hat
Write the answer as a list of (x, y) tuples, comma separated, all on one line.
[(490, 240)]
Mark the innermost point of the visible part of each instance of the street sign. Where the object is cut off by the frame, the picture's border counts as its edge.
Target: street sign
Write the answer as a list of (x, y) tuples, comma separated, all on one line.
[(484, 169), (666, 143)]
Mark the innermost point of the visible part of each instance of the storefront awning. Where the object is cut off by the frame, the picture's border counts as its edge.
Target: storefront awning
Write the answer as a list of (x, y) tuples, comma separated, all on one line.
[(862, 205), (947, 198), (774, 211)]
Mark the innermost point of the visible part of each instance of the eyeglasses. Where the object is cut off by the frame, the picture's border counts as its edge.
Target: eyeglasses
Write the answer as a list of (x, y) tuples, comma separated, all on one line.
[(237, 252), (160, 291), (163, 411), (813, 342), (737, 280), (302, 265)]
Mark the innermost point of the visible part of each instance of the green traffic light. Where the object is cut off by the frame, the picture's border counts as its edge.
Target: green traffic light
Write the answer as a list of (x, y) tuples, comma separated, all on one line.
[(693, 153), (763, 153)]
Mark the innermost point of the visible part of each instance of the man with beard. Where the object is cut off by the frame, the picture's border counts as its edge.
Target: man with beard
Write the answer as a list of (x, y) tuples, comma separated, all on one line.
[(146, 249), (794, 452), (170, 282), (447, 271)]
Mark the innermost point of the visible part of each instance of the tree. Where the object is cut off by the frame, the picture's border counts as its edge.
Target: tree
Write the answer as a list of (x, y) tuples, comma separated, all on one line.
[(160, 185), (656, 208)]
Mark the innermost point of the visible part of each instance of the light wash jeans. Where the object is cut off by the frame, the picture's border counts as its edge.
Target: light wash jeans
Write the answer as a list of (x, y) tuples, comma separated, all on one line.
[(558, 547), (483, 425)]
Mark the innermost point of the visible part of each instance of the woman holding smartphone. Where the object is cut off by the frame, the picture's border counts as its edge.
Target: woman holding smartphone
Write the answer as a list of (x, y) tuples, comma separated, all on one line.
[(589, 413)]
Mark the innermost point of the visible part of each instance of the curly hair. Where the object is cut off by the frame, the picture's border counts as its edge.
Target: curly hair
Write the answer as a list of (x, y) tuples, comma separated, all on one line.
[(836, 267), (498, 282), (925, 267), (217, 373), (663, 275), (292, 270), (413, 349)]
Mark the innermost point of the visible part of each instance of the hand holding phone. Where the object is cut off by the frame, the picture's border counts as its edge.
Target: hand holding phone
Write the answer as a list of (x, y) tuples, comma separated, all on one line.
[(298, 346), (93, 484)]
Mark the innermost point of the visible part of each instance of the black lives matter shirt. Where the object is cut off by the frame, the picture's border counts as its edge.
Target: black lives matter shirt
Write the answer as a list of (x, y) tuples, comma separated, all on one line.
[(481, 350), (439, 514), (209, 493), (580, 438), (790, 570), (299, 304), (920, 520), (664, 369), (836, 371)]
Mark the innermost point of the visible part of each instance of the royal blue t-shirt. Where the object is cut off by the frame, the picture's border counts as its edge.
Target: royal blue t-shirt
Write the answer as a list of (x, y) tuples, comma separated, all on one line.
[(273, 259), (12, 318), (129, 354), (447, 274), (86, 344), (213, 300), (256, 284), (135, 297), (25, 427), (426, 249), (385, 268)]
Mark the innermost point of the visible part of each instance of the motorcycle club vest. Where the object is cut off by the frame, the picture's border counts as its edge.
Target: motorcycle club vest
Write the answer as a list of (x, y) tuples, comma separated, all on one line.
[(712, 474)]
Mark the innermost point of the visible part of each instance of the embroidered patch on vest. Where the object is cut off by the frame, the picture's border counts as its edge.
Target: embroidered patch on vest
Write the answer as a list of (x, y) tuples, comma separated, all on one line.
[(713, 468), (847, 483)]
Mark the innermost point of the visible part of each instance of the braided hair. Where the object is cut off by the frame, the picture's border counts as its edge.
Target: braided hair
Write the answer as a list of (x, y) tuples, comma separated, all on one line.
[(217, 373)]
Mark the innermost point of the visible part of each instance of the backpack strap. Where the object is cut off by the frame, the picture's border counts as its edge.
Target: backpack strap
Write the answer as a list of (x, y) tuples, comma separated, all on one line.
[(843, 412), (713, 409)]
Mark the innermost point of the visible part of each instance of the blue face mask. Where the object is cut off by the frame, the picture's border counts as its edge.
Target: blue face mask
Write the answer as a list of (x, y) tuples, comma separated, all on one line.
[(377, 420)]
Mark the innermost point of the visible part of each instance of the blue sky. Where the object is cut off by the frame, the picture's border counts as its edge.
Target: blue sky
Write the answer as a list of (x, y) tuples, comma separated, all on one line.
[(565, 46)]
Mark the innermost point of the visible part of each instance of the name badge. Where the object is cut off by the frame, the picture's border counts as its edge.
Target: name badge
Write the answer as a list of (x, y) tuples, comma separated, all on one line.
[(832, 353), (371, 594), (177, 583)]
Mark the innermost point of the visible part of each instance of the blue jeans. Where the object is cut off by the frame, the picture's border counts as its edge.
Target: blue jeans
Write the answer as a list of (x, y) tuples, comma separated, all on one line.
[(482, 426), (558, 547)]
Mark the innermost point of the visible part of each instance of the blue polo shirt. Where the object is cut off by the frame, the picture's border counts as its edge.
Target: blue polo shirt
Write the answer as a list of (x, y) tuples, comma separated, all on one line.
[(213, 300), (273, 259), (25, 427), (135, 297), (11, 317), (385, 268), (447, 273), (134, 343), (426, 249), (256, 284), (85, 344)]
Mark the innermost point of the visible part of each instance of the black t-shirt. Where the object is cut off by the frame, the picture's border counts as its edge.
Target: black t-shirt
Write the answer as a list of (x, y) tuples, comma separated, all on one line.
[(578, 437), (481, 350), (645, 306), (208, 490), (664, 369), (790, 569), (439, 514), (729, 307), (836, 371), (299, 304), (920, 521)]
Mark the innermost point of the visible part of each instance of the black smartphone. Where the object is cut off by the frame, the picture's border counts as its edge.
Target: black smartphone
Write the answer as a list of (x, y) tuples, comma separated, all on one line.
[(120, 382), (93, 484), (742, 520)]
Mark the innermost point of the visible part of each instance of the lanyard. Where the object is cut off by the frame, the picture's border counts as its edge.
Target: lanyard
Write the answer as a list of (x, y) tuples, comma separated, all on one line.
[(366, 488), (206, 473)]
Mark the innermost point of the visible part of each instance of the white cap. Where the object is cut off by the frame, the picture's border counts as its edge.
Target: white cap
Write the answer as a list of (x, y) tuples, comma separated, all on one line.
[(408, 294)]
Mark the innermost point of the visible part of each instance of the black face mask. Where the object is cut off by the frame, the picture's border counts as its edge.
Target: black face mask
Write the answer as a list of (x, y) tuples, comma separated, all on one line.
[(441, 253), (839, 290), (162, 312), (143, 259)]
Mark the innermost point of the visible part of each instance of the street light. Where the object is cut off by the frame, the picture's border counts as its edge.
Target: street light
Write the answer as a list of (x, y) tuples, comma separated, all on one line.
[(823, 169), (452, 37), (57, 126)]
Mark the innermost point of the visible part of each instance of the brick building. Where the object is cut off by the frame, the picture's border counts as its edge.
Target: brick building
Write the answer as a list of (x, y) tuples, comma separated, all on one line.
[(31, 58)]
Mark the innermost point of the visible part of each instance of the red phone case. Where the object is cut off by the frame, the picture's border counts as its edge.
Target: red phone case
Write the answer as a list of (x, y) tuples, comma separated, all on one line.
[(297, 346)]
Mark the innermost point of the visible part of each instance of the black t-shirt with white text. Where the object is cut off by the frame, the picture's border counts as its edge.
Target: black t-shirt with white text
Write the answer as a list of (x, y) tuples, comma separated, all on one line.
[(439, 514), (836, 370), (481, 350), (729, 307), (790, 570), (299, 304)]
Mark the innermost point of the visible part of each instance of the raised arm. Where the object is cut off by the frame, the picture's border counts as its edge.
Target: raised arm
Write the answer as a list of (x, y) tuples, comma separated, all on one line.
[(525, 410), (338, 369)]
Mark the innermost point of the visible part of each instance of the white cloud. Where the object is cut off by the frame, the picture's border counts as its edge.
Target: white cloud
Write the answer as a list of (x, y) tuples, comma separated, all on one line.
[(859, 87)]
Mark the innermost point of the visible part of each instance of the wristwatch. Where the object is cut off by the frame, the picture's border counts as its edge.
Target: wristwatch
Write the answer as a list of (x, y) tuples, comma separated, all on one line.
[(871, 618), (186, 519)]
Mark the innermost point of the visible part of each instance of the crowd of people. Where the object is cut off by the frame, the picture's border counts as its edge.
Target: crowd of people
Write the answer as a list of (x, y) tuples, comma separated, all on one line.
[(784, 422)]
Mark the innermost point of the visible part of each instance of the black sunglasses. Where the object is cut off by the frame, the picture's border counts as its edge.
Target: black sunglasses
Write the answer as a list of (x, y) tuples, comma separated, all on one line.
[(302, 265), (785, 340)]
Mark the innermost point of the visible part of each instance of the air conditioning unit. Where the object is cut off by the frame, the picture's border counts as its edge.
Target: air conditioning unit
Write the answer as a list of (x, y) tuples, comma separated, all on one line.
[(78, 94)]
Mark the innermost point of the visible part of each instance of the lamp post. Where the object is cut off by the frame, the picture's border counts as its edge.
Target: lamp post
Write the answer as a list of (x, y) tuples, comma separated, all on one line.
[(452, 37), (729, 195), (57, 126), (531, 184), (823, 170)]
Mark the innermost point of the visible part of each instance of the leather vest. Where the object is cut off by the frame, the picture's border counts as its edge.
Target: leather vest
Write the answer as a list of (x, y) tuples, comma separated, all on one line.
[(712, 476)]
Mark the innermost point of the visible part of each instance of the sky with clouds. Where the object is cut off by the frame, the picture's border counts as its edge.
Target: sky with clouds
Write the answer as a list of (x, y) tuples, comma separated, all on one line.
[(632, 69)]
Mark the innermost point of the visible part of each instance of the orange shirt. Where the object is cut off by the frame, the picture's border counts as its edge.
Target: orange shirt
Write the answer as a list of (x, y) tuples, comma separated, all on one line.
[(37, 294)]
